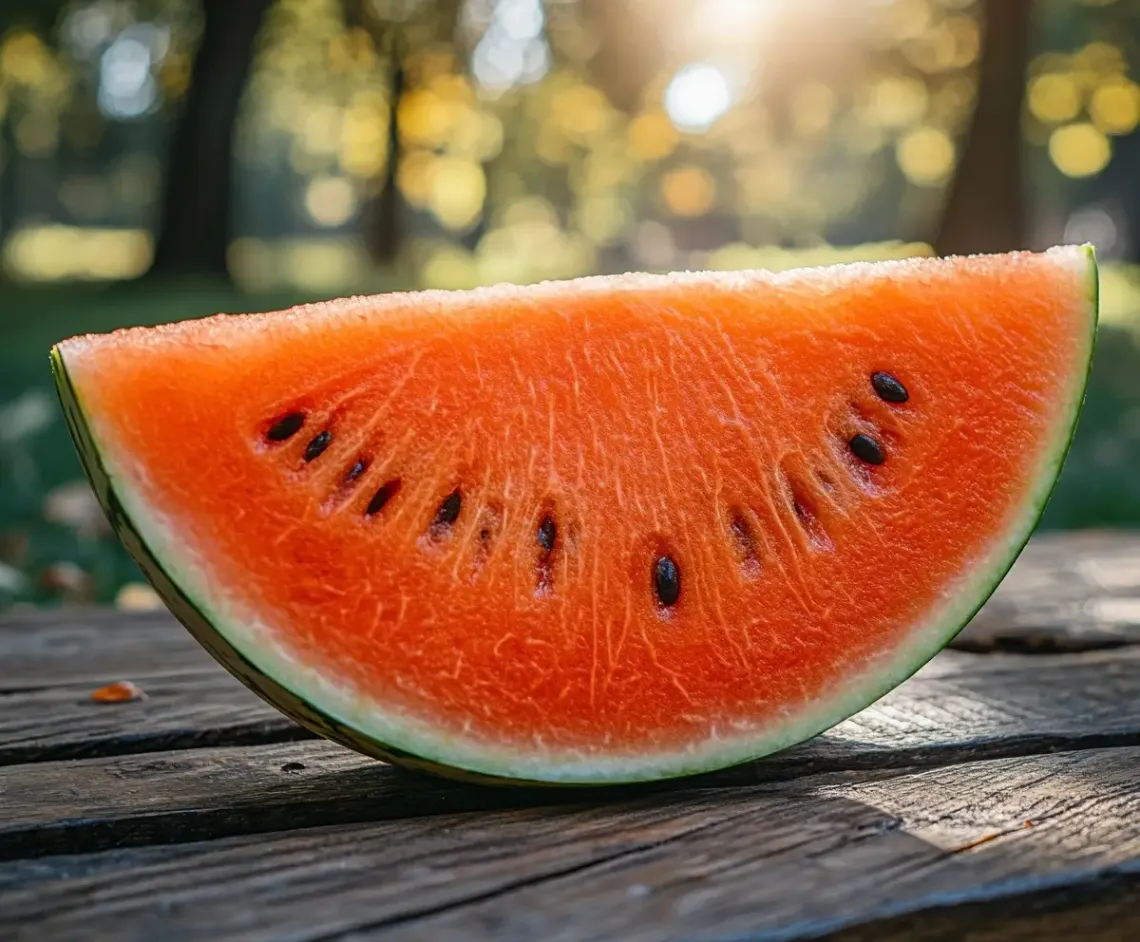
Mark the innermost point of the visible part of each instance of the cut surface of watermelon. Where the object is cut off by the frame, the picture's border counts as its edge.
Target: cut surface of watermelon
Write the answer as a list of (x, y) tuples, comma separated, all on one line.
[(610, 530)]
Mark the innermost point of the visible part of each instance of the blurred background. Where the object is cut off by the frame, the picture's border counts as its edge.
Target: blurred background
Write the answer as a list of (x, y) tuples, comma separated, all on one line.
[(163, 159)]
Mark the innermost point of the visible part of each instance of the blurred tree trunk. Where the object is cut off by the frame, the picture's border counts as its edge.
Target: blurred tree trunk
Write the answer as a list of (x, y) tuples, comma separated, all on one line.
[(630, 48), (380, 225), (985, 210), (382, 228), (383, 220), (8, 157), (194, 232)]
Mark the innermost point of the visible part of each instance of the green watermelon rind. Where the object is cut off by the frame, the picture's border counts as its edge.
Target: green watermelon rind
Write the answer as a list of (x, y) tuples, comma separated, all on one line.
[(283, 685)]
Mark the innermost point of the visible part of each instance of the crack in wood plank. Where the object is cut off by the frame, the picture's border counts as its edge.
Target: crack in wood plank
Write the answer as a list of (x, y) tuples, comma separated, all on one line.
[(181, 711), (961, 708), (350, 789), (839, 856), (991, 697), (1067, 592), (833, 885), (521, 884), (1102, 907)]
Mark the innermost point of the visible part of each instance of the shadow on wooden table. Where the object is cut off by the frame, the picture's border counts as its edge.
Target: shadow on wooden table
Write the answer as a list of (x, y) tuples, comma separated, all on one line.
[(867, 855)]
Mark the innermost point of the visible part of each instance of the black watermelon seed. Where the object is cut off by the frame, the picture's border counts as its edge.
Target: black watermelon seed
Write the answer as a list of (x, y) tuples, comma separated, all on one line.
[(286, 427), (666, 581), (867, 449), (448, 511), (382, 496), (357, 469), (889, 388), (547, 533), (317, 446)]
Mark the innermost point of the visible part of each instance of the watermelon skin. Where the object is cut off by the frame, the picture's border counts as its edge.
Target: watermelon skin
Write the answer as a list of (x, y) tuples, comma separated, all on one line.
[(128, 519)]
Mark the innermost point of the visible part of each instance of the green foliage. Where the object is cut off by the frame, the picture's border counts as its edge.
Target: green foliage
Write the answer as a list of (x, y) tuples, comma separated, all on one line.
[(36, 15)]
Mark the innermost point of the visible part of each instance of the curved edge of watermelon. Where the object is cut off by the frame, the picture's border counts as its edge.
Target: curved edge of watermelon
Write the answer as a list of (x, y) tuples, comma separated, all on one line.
[(192, 614), (422, 752)]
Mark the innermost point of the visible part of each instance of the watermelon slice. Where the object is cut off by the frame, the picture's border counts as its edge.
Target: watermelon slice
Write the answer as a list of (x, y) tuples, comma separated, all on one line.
[(609, 530)]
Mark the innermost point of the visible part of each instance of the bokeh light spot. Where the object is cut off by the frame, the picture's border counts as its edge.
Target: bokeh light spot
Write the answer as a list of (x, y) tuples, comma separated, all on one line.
[(697, 96), (321, 129), (581, 112), (1093, 224), (24, 59), (652, 136), (458, 188), (688, 191), (512, 50), (449, 267), (126, 87), (423, 118), (603, 218), (813, 105), (1115, 107), (330, 201), (54, 252), (1079, 150), (895, 102), (1054, 98), (926, 156), (414, 176), (908, 19), (364, 138)]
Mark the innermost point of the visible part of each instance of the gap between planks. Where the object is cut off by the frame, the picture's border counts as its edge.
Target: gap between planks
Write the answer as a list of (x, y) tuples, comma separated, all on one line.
[(851, 857), (957, 698), (190, 710), (949, 717)]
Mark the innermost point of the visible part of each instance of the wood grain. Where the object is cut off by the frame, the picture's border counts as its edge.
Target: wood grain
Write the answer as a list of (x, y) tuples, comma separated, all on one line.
[(957, 699), (960, 707), (1104, 908), (200, 813), (89, 646), (180, 711), (871, 853), (1067, 592)]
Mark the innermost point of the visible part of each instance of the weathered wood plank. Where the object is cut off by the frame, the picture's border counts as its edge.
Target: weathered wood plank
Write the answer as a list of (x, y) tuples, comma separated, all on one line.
[(960, 707), (180, 711), (92, 646), (867, 855), (1067, 592), (1103, 909), (951, 834), (957, 698)]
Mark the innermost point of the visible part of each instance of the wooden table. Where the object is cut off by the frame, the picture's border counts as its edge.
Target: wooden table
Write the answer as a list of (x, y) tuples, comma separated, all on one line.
[(995, 796)]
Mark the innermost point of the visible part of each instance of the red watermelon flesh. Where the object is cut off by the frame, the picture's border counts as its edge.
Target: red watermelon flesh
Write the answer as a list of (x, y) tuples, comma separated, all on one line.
[(605, 530)]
